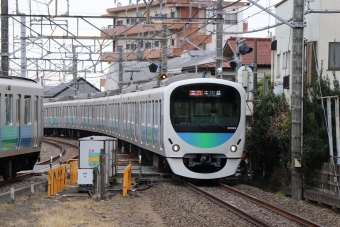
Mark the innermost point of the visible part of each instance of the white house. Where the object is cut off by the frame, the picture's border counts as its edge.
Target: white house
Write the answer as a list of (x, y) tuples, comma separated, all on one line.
[(321, 38)]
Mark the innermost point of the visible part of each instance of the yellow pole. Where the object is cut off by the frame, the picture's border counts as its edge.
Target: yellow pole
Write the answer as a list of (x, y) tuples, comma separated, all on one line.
[(126, 179)]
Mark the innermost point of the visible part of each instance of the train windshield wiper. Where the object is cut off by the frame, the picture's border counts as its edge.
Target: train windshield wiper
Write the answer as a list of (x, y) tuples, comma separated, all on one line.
[(202, 126), (221, 126)]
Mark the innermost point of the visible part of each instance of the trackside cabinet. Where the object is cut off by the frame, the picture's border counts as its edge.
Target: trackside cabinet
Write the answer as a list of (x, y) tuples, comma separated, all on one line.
[(89, 157)]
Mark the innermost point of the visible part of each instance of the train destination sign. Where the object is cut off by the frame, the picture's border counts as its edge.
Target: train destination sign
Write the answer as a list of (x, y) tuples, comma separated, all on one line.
[(204, 93)]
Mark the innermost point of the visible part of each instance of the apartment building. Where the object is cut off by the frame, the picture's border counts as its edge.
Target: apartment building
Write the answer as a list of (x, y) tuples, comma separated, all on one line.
[(181, 18)]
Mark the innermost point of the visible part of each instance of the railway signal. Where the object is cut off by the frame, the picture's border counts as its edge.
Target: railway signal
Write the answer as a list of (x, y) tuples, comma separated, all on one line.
[(162, 76)]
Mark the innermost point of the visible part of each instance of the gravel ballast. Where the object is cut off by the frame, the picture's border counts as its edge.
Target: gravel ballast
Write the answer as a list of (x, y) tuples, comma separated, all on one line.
[(167, 203)]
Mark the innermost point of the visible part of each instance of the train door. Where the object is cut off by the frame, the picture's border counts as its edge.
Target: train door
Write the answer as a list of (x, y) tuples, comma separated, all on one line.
[(133, 121), (117, 118), (136, 116), (9, 132), (149, 122), (18, 119), (155, 133), (124, 119), (128, 122), (161, 124), (40, 121), (143, 122), (35, 120), (102, 117)]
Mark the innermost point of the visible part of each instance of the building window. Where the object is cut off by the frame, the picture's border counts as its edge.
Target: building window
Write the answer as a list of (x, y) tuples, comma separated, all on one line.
[(334, 56), (119, 22), (127, 21), (127, 46), (133, 46), (172, 14), (156, 43), (288, 62), (147, 45), (230, 18), (278, 66), (133, 21), (284, 60)]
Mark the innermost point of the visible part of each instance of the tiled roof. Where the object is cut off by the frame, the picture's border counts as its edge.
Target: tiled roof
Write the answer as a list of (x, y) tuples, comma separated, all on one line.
[(57, 90), (263, 50)]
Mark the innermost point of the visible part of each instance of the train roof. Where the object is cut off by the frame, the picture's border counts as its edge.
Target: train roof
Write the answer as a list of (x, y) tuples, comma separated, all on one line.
[(132, 88), (17, 78)]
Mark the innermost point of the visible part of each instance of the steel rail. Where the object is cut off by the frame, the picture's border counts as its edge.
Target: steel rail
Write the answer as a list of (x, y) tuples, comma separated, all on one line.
[(269, 206), (20, 176), (54, 143), (228, 206)]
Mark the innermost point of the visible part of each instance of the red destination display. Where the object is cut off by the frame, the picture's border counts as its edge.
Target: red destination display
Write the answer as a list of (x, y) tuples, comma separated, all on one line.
[(196, 93)]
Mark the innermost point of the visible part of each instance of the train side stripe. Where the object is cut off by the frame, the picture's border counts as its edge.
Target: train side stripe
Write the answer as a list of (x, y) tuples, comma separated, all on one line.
[(205, 139)]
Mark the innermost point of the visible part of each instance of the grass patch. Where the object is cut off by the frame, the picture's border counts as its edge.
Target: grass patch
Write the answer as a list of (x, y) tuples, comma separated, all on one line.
[(19, 222)]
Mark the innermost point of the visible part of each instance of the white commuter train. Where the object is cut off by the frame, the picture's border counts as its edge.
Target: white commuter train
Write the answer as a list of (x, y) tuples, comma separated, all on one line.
[(196, 126), (21, 124)]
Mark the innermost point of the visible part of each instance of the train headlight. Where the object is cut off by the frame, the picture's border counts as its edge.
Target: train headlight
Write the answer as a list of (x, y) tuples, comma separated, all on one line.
[(175, 147), (233, 148)]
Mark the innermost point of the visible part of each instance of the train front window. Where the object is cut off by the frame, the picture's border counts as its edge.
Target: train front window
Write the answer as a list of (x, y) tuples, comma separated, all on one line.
[(205, 108)]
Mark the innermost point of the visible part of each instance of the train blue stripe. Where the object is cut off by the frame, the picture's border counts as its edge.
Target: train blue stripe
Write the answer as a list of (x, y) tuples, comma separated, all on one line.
[(26, 132), (205, 139)]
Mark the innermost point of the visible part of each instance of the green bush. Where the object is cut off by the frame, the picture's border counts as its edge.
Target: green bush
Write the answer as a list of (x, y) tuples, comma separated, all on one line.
[(269, 146)]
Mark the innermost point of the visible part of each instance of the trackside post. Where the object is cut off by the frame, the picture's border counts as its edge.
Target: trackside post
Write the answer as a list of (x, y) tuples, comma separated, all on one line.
[(126, 179)]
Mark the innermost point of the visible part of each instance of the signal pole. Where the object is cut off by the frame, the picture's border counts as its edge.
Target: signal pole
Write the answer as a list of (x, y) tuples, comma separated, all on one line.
[(164, 65), (219, 40)]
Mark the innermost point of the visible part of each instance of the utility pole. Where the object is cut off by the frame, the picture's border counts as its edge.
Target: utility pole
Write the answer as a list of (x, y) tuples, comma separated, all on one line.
[(297, 92), (75, 70), (120, 62), (164, 51), (219, 40), (297, 99), (4, 38), (255, 68)]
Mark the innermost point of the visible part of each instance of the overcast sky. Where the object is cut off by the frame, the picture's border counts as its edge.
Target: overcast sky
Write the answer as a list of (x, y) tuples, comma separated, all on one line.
[(98, 7)]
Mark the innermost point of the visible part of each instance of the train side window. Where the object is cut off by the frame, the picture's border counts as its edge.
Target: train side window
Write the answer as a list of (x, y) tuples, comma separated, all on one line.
[(35, 109), (27, 110), (18, 106), (8, 108), (156, 115)]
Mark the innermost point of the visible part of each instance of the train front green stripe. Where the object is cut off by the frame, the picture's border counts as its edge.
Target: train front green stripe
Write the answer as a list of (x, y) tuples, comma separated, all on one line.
[(205, 139)]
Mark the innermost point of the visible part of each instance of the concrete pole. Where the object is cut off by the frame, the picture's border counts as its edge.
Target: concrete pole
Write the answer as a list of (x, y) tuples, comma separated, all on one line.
[(102, 174), (4, 38), (255, 68), (164, 51), (23, 47), (75, 70), (120, 62), (296, 99), (219, 39)]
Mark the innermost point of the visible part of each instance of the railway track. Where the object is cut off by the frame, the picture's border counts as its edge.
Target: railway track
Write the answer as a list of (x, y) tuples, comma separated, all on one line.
[(19, 177), (246, 215), (65, 148)]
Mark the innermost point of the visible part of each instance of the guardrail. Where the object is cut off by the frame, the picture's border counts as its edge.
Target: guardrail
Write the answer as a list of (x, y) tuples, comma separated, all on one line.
[(73, 170), (57, 179)]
